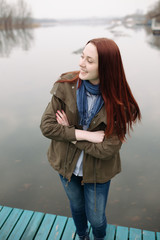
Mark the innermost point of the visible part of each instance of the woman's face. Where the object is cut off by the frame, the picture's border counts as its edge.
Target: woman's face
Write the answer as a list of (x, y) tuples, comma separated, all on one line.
[(89, 64)]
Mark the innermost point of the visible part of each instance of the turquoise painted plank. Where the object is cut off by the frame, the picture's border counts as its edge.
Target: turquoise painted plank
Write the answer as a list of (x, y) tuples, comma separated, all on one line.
[(21, 225), (58, 228), (91, 235), (70, 230), (158, 235), (148, 235), (4, 213), (135, 234), (33, 226), (10, 223), (122, 233), (45, 227), (110, 233), (17, 224)]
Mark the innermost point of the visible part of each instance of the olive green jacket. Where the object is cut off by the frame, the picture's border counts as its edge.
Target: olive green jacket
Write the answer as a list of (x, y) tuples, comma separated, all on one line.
[(101, 160)]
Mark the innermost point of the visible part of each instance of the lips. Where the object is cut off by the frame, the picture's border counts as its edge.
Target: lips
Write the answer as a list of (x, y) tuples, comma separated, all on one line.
[(83, 71)]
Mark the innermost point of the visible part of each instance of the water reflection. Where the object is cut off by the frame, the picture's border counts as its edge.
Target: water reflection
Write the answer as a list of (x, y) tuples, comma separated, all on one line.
[(9, 39), (118, 31), (154, 41)]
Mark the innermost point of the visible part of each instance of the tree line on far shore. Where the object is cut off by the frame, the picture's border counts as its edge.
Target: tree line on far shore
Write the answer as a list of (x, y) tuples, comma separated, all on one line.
[(154, 12), (18, 15), (15, 16)]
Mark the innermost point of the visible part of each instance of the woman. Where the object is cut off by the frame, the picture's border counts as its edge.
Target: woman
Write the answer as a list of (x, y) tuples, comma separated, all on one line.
[(87, 120)]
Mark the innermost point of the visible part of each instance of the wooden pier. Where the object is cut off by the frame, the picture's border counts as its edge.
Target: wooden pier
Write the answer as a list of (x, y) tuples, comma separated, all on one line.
[(18, 224)]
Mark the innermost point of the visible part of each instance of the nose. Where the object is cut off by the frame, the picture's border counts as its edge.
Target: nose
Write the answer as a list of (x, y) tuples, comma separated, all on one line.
[(82, 62)]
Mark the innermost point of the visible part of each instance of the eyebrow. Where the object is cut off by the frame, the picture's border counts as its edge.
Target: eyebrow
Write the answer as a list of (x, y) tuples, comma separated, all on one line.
[(88, 56)]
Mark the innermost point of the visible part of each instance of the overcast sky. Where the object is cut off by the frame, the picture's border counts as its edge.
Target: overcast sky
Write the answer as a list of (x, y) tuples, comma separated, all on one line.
[(86, 8)]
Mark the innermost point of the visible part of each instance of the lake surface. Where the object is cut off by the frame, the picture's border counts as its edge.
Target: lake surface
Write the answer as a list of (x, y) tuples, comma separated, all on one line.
[(30, 62)]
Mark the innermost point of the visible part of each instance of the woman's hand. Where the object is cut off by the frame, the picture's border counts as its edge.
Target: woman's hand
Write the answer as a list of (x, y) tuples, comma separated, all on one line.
[(62, 118), (94, 137)]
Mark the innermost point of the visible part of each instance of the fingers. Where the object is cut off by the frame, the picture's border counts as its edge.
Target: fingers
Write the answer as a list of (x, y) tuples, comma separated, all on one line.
[(100, 136), (62, 118), (95, 137), (59, 114)]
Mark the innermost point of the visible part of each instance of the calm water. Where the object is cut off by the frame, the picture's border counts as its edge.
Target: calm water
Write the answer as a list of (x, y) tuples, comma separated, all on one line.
[(30, 63)]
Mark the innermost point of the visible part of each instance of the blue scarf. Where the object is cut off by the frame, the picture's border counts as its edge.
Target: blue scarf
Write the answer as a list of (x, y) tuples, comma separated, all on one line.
[(82, 103)]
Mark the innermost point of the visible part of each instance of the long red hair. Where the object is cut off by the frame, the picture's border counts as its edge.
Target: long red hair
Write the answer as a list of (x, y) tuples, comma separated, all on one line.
[(121, 107)]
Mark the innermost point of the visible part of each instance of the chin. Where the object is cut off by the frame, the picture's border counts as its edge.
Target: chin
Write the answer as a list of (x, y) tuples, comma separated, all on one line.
[(83, 76)]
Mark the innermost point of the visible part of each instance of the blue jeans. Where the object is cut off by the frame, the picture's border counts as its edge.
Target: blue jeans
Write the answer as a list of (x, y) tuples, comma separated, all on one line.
[(88, 203)]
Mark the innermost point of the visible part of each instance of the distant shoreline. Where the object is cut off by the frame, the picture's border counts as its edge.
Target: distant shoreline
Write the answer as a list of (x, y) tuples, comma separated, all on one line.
[(130, 21)]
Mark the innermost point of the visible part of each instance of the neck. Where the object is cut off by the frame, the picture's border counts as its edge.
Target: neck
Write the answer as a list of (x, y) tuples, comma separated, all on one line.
[(94, 82)]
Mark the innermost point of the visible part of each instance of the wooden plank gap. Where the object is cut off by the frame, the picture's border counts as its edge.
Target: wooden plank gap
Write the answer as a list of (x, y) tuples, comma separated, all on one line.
[(58, 228), (45, 227), (10, 223), (65, 225), (70, 230), (158, 236), (4, 214), (52, 226), (33, 226), (18, 214), (111, 232), (21, 225), (39, 224)]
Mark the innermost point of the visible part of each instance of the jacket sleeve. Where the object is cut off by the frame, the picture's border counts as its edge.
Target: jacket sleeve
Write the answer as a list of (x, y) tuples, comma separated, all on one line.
[(49, 126), (105, 150)]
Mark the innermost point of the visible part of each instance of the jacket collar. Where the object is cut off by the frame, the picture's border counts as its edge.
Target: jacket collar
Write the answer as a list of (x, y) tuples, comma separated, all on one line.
[(70, 99)]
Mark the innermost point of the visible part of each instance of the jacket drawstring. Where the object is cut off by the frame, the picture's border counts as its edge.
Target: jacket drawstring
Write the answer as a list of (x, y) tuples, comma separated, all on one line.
[(95, 202), (72, 157), (65, 162), (69, 163)]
